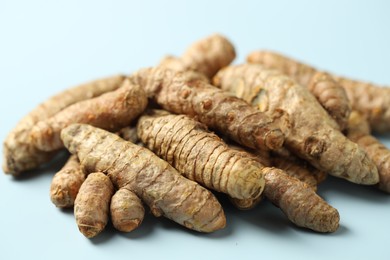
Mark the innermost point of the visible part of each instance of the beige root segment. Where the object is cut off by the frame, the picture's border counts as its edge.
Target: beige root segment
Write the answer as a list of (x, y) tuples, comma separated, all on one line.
[(110, 111), (126, 210), (296, 170), (371, 100), (205, 56), (294, 197), (300, 203), (92, 204), (314, 138), (359, 131), (19, 154), (157, 183), (329, 93), (219, 110), (202, 156), (66, 183)]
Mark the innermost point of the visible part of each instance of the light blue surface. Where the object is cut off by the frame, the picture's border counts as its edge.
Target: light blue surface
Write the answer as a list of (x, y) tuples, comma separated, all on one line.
[(46, 46)]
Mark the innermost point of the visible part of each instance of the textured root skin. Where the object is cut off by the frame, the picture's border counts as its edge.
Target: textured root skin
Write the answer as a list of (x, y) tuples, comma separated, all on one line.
[(369, 99), (206, 56), (92, 204), (300, 203), (329, 93), (157, 183), (359, 132), (110, 111), (19, 154), (295, 198), (217, 109), (332, 96), (296, 170), (66, 183), (245, 204), (201, 156), (314, 138), (126, 210)]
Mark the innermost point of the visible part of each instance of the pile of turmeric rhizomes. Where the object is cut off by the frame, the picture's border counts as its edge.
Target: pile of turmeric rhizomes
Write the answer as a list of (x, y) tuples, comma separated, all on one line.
[(166, 135)]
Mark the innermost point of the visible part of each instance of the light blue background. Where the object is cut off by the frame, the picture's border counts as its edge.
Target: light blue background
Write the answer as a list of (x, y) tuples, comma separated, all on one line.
[(47, 46)]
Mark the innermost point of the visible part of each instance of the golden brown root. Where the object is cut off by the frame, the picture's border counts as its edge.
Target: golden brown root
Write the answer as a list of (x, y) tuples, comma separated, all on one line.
[(245, 204), (19, 154), (66, 183), (359, 132), (206, 56), (92, 204), (314, 135), (126, 210), (202, 156), (157, 183), (371, 100), (332, 96), (215, 108), (296, 170), (329, 93), (300, 203), (110, 111)]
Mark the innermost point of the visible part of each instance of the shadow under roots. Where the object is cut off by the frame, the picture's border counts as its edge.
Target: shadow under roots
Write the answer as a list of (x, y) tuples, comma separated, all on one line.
[(144, 230), (108, 232)]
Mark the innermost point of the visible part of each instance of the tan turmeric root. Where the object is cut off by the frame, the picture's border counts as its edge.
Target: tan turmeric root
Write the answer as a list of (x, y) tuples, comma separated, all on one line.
[(296, 170), (313, 135), (206, 56), (217, 109), (300, 203), (19, 154), (359, 131), (92, 204), (136, 168), (66, 183), (329, 93), (291, 165), (126, 210), (371, 100), (201, 156), (110, 111)]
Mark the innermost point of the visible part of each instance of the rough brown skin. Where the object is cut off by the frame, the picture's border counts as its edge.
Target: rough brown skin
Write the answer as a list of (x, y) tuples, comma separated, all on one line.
[(296, 170), (290, 164), (300, 203), (359, 131), (66, 183), (329, 93), (110, 111), (201, 156), (19, 154), (295, 198), (157, 183), (126, 210), (217, 109), (206, 56), (92, 204), (313, 135), (245, 204), (369, 99)]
